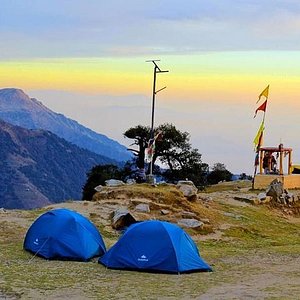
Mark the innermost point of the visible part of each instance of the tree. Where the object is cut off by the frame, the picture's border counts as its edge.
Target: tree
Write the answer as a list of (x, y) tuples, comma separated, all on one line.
[(244, 176), (141, 135), (173, 150), (96, 176), (218, 173)]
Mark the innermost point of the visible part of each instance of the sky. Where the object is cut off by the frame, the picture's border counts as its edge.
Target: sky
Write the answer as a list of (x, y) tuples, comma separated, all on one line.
[(87, 60)]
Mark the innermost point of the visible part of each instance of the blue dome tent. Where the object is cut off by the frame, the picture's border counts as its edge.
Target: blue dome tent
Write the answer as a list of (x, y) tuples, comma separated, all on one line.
[(64, 234), (155, 246)]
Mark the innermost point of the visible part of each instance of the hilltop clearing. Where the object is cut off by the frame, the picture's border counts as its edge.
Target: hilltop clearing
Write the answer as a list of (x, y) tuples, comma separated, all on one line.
[(253, 249)]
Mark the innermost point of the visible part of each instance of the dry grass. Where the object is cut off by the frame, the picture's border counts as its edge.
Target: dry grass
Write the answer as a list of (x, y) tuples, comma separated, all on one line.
[(229, 186), (256, 242)]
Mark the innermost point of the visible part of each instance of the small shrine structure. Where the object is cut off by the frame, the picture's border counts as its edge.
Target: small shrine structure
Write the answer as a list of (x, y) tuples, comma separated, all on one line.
[(275, 163)]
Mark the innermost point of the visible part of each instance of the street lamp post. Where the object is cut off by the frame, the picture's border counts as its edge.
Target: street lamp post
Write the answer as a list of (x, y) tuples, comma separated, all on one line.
[(154, 92)]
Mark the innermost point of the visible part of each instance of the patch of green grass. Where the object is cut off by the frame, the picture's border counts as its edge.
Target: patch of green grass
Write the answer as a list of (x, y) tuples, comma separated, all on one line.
[(228, 186), (252, 232)]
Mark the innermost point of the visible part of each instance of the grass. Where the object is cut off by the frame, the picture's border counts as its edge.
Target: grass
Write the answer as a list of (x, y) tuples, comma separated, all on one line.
[(228, 186), (256, 237)]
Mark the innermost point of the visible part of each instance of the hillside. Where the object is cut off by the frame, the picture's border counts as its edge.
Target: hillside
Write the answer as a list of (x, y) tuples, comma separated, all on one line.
[(38, 168), (254, 249), (19, 109)]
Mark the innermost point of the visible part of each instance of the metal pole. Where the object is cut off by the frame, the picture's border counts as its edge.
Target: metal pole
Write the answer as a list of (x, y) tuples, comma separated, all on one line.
[(154, 92), (152, 115), (153, 102)]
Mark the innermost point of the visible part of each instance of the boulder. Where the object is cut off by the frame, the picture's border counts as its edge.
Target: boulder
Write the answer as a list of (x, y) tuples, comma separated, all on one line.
[(164, 212), (275, 190), (114, 182), (188, 189), (190, 223), (122, 218), (143, 207)]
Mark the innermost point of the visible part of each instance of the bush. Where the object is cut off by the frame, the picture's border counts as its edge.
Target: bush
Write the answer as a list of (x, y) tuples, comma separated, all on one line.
[(98, 175)]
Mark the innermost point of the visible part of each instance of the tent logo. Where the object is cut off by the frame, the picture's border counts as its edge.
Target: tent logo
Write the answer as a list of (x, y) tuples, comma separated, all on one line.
[(143, 258), (36, 242)]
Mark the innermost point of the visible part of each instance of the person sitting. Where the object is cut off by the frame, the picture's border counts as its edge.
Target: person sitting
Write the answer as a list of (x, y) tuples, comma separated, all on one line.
[(273, 164), (269, 163), (266, 163)]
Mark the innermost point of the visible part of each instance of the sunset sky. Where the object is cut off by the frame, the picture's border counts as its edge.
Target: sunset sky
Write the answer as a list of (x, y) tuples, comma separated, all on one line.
[(86, 59)]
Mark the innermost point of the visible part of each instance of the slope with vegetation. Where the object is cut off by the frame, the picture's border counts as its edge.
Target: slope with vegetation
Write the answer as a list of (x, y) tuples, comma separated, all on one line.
[(253, 249), (39, 168)]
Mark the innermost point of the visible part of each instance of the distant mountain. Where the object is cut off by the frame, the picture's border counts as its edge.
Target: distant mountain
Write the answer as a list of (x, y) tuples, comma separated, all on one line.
[(38, 168), (19, 109)]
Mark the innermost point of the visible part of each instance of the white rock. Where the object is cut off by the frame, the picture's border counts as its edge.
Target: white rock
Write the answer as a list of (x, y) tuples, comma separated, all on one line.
[(114, 182), (262, 196), (190, 223), (130, 181), (165, 212), (188, 188), (98, 188), (143, 207)]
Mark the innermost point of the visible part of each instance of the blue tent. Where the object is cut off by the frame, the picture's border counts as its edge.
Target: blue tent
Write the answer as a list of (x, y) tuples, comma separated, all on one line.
[(64, 234), (155, 246)]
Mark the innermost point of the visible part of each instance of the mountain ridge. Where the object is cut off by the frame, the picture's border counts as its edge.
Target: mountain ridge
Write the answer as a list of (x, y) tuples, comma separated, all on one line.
[(39, 168), (19, 109)]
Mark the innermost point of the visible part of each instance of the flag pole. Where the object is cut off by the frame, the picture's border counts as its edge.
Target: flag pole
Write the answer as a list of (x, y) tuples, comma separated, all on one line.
[(265, 93)]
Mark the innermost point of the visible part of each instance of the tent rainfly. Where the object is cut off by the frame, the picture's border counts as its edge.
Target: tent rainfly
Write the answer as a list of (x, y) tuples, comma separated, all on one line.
[(155, 246)]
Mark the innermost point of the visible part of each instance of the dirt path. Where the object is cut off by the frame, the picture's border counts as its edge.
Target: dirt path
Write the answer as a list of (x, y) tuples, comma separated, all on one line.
[(268, 277)]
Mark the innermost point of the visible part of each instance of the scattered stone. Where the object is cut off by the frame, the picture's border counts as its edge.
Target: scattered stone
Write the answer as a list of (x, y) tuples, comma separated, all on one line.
[(267, 200), (282, 200), (98, 188), (164, 212), (188, 189), (143, 207), (205, 198), (228, 214), (248, 199), (262, 196), (190, 223), (205, 221), (114, 182), (163, 183), (2, 210), (122, 218), (130, 181), (188, 214), (280, 195), (289, 197)]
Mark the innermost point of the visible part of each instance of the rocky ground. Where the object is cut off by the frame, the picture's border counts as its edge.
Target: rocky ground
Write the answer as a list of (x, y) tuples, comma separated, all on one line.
[(253, 247)]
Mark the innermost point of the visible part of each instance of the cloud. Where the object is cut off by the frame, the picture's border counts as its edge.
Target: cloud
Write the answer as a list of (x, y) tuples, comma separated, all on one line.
[(104, 28)]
